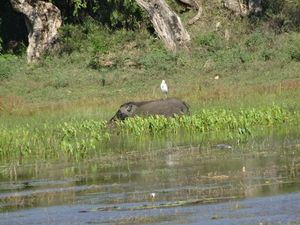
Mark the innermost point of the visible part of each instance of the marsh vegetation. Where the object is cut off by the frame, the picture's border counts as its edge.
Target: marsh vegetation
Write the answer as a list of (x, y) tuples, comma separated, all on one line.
[(57, 150)]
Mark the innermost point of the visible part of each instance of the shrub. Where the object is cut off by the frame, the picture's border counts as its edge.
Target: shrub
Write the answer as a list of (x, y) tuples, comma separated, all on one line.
[(208, 40), (160, 60), (6, 66)]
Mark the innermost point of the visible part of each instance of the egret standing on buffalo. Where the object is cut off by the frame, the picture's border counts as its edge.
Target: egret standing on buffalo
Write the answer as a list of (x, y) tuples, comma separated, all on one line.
[(164, 88)]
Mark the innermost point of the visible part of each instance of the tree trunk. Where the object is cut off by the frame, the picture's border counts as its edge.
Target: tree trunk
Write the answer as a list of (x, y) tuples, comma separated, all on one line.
[(236, 6), (197, 4), (166, 23), (255, 7), (43, 20)]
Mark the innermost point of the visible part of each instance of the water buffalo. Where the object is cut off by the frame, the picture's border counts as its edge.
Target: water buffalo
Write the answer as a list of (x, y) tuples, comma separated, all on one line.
[(167, 107)]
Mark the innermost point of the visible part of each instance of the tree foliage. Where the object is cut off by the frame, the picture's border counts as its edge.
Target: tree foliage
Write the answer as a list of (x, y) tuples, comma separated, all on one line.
[(113, 13), (282, 16)]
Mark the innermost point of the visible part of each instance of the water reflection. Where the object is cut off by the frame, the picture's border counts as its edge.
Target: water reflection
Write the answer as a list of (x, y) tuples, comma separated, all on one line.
[(175, 167)]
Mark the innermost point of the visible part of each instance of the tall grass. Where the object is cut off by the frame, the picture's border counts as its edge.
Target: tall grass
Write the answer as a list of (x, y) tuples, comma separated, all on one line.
[(79, 140)]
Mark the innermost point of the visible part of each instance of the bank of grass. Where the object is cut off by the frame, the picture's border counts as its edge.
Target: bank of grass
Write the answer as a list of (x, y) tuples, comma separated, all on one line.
[(97, 68)]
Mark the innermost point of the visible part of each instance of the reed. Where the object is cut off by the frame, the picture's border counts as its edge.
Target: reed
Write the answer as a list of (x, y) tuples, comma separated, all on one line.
[(85, 139)]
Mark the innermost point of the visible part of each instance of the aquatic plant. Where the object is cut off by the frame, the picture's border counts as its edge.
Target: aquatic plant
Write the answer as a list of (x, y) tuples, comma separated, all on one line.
[(208, 120), (62, 141), (78, 140)]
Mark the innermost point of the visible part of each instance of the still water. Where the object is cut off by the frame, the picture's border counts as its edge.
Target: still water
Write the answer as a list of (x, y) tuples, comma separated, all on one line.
[(255, 181)]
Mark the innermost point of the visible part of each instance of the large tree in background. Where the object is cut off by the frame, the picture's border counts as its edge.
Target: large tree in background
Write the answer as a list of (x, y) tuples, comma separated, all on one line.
[(43, 20), (166, 23)]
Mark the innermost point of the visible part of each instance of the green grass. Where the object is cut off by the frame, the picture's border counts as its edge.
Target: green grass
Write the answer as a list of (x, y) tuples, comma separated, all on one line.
[(78, 140), (95, 70)]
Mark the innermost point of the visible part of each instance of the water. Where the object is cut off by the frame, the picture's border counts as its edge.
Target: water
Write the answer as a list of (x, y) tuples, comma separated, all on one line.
[(256, 182)]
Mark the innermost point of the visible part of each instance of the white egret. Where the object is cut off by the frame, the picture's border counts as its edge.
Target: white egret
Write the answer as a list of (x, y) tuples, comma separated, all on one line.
[(153, 196), (164, 88)]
